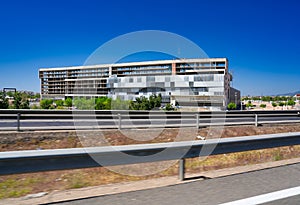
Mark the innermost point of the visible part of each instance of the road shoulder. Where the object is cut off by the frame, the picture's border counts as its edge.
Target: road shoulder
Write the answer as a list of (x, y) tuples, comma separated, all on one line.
[(87, 192)]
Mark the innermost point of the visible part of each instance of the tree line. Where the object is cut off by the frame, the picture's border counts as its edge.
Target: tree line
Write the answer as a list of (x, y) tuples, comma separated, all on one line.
[(290, 102), (106, 103), (269, 98), (20, 100)]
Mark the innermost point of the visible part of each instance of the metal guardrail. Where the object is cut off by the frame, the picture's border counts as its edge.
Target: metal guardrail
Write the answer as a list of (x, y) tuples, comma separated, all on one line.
[(65, 119), (16, 162)]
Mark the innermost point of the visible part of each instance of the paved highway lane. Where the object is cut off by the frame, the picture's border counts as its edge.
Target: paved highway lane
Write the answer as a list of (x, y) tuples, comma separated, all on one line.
[(61, 123), (225, 190)]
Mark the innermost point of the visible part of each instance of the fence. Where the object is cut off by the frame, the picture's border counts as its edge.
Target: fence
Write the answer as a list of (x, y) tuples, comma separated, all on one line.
[(16, 162), (69, 120)]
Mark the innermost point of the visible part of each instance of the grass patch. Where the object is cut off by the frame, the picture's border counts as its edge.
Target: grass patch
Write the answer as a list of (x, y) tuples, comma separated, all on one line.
[(14, 187), (77, 180)]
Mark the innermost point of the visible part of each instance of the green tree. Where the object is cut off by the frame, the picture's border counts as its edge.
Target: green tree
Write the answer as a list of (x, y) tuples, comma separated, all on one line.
[(36, 96), (25, 104), (119, 104), (266, 98), (34, 106), (152, 101), (158, 100), (281, 104), (143, 103), (245, 98), (68, 102), (291, 102), (17, 100), (249, 104), (10, 94), (263, 105), (46, 103), (231, 106), (274, 104), (169, 107), (107, 104), (99, 103), (3, 101), (59, 103), (82, 103), (103, 103), (21, 100), (255, 98)]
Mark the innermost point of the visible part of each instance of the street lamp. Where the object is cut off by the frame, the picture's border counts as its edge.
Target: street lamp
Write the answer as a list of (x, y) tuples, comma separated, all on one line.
[(235, 97)]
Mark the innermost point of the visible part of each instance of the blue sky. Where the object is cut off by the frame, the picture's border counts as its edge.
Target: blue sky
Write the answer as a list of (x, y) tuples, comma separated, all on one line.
[(260, 38)]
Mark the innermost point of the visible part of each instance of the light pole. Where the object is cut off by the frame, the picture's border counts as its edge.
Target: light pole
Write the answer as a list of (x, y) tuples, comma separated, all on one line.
[(235, 98), (241, 105)]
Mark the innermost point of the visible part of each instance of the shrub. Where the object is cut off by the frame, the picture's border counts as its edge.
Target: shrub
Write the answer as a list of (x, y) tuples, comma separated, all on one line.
[(231, 106), (46, 103)]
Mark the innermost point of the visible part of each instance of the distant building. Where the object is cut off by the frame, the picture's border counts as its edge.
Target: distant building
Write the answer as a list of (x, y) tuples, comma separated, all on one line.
[(235, 96), (189, 82)]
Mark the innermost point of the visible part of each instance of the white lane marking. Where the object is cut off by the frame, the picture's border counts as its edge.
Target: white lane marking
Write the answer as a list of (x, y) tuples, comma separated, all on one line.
[(273, 196)]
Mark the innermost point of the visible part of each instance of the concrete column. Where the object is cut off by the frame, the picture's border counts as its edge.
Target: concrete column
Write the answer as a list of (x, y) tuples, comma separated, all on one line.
[(173, 68), (256, 120), (120, 121), (110, 71), (181, 169)]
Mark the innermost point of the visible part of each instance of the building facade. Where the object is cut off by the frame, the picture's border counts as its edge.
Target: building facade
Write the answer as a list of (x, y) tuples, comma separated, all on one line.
[(187, 82)]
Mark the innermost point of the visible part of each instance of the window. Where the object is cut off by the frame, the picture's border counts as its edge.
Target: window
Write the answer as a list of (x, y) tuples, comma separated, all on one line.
[(197, 78), (150, 78), (204, 78)]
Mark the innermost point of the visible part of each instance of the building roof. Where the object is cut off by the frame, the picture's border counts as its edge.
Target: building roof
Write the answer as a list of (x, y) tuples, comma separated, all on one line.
[(154, 62)]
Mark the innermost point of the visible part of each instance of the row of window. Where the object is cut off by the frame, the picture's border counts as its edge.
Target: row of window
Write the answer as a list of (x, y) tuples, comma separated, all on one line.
[(142, 67)]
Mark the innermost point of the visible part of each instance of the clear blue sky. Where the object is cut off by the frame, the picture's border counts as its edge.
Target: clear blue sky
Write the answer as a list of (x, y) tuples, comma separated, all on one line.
[(259, 37)]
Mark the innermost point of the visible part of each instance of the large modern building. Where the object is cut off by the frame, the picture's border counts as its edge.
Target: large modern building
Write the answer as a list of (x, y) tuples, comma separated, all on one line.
[(190, 82)]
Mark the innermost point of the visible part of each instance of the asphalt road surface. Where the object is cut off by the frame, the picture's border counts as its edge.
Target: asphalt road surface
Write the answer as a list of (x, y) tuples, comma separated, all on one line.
[(274, 186), (56, 124)]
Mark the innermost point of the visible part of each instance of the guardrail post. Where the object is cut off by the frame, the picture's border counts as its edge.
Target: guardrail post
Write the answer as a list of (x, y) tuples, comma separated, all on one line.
[(181, 169), (256, 120), (197, 120), (18, 122), (120, 121)]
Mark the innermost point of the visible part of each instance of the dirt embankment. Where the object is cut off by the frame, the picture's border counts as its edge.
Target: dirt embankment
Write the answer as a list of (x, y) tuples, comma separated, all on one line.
[(22, 184), (70, 139)]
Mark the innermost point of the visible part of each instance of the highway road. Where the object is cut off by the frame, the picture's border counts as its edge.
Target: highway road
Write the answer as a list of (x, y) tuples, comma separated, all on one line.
[(274, 186), (60, 123)]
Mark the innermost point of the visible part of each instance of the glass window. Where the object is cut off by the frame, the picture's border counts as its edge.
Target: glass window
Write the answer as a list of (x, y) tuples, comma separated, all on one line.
[(197, 78)]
